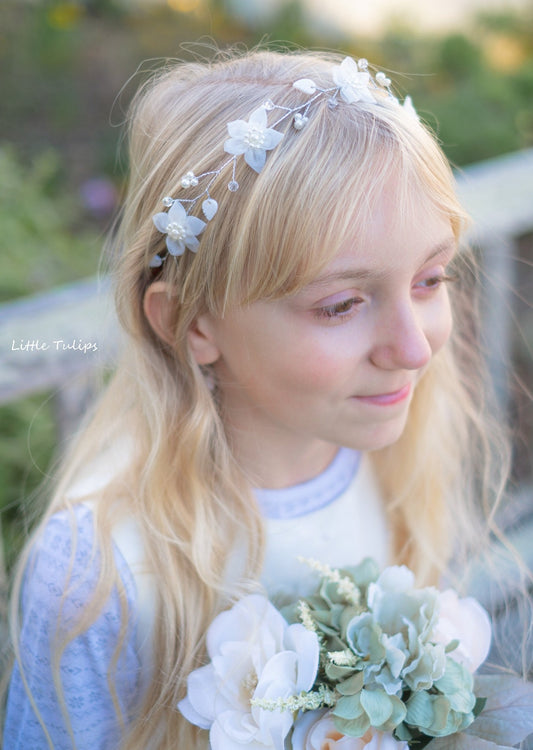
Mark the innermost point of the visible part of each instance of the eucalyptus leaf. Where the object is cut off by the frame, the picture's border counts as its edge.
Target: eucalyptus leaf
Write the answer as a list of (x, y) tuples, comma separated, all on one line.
[(463, 741), (398, 713), (508, 713), (420, 742), (352, 728), (366, 572), (352, 685), (346, 617), (336, 673), (378, 706), (334, 643), (455, 679), (325, 628), (479, 706), (291, 613), (452, 645), (348, 707), (316, 602), (402, 732)]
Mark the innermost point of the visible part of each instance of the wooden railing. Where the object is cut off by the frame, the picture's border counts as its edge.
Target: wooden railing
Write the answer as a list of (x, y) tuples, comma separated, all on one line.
[(56, 339)]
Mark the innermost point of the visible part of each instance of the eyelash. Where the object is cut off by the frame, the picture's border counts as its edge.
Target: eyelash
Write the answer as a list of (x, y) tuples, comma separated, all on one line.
[(346, 307), (435, 281), (339, 309)]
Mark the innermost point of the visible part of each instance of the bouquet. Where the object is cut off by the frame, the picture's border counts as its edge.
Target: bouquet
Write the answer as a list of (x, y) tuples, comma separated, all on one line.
[(369, 662)]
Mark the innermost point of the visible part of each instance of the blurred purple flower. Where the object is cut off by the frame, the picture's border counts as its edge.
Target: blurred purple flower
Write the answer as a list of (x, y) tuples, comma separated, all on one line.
[(99, 196)]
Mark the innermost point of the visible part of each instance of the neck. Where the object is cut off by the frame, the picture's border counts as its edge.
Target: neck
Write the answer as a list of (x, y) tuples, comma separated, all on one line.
[(271, 462)]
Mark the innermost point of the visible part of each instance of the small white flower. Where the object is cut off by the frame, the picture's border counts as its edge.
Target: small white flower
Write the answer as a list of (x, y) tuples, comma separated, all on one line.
[(353, 83), (464, 620), (181, 229), (256, 655), (317, 731), (252, 138)]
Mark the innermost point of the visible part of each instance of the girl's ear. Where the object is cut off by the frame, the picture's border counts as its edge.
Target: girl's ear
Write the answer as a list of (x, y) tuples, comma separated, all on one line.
[(202, 342), (157, 306)]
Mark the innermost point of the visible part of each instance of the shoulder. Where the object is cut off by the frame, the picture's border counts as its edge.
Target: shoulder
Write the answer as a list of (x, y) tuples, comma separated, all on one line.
[(65, 566), (69, 637)]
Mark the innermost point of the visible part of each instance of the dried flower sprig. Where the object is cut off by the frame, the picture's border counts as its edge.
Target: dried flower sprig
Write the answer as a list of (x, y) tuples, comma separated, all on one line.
[(345, 587)]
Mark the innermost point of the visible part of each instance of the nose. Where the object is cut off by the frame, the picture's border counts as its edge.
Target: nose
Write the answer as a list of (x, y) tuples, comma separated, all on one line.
[(401, 341)]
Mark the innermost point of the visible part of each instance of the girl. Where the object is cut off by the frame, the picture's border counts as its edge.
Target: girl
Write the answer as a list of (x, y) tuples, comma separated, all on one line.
[(298, 378)]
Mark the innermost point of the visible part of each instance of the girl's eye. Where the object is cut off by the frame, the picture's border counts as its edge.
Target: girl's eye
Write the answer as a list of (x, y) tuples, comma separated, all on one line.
[(339, 309), (435, 281)]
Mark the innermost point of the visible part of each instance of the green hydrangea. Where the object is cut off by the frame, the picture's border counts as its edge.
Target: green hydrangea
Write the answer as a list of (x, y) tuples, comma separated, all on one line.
[(378, 656)]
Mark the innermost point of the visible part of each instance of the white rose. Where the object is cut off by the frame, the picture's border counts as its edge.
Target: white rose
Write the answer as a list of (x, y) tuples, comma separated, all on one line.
[(464, 620), (316, 731), (254, 654)]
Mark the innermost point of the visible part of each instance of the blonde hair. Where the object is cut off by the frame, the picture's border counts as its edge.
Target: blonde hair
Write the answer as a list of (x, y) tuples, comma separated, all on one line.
[(182, 484)]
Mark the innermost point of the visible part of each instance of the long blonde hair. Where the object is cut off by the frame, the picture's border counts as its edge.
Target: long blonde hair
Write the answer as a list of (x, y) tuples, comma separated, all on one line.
[(182, 484)]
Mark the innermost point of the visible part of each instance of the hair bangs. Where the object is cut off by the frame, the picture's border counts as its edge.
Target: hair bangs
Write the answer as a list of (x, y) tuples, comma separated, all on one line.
[(296, 218), (318, 187)]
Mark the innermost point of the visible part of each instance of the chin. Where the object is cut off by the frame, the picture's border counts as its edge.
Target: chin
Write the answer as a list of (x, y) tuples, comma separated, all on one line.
[(383, 436)]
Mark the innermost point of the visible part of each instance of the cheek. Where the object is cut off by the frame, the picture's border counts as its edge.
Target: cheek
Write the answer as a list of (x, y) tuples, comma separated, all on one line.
[(308, 366), (440, 326), (317, 362)]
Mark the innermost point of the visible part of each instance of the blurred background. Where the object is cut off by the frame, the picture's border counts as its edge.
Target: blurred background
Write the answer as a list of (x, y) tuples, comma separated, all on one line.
[(67, 72)]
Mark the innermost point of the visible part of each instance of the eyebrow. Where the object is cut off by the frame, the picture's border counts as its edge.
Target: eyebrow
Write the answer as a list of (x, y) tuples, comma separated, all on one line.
[(361, 274)]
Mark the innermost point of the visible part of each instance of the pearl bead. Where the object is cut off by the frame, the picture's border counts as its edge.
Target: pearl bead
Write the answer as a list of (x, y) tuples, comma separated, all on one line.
[(189, 180), (255, 137), (176, 231), (300, 121)]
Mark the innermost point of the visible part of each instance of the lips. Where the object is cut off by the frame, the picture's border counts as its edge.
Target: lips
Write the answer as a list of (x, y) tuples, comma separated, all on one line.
[(387, 399)]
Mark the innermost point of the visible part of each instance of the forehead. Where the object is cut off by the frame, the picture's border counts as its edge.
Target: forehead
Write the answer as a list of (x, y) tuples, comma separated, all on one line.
[(394, 217), (394, 235)]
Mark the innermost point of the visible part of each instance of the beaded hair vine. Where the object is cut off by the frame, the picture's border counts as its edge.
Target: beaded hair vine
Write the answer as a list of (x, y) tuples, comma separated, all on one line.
[(352, 83)]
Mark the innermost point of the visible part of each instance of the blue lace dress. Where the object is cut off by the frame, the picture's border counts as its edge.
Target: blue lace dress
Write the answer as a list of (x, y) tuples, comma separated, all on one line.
[(337, 517)]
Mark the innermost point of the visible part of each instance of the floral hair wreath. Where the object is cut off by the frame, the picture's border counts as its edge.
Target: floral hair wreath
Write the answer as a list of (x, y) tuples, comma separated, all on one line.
[(352, 83)]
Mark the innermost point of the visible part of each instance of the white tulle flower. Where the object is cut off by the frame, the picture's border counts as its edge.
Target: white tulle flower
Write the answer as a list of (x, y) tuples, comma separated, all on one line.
[(254, 653), (353, 83), (466, 621), (181, 229), (252, 138), (317, 731)]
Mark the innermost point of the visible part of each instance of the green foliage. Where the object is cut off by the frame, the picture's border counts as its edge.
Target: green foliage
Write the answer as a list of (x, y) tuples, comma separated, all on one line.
[(43, 243), (42, 239), (458, 56), (27, 444), (478, 98)]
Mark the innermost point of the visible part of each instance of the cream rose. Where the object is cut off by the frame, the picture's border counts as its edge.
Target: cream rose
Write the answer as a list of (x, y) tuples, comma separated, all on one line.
[(316, 731), (464, 620)]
